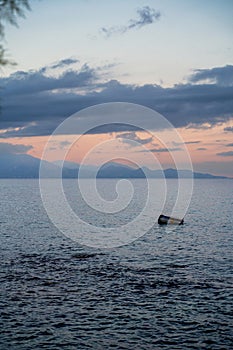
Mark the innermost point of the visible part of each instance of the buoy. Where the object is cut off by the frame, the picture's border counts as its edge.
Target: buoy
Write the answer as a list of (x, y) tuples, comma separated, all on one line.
[(168, 220)]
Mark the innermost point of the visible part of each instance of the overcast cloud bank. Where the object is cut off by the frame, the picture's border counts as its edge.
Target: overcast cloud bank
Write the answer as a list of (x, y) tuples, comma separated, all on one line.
[(35, 103)]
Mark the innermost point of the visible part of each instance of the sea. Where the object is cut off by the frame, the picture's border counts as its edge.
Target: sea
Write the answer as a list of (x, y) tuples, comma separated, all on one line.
[(168, 289)]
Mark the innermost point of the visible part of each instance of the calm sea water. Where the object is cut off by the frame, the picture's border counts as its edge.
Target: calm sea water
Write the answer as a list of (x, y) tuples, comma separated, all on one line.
[(167, 290)]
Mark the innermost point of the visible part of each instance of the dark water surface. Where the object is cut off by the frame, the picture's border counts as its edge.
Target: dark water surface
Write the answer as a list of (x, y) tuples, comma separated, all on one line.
[(164, 291)]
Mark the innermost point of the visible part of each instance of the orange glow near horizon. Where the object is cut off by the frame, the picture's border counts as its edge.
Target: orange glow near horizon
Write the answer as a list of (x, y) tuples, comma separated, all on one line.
[(203, 145)]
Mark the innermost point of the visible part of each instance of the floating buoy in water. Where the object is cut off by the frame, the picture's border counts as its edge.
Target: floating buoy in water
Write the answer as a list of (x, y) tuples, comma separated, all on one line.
[(168, 220)]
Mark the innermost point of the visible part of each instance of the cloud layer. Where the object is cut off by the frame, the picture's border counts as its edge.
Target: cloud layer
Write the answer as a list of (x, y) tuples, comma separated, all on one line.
[(35, 103), (221, 75)]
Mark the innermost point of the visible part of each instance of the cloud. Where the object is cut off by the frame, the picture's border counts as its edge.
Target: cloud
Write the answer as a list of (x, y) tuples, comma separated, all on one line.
[(191, 142), (201, 149), (225, 154), (146, 15), (21, 83), (63, 144), (228, 129), (34, 104), (162, 150), (9, 148), (185, 143), (229, 145), (64, 62), (128, 137), (221, 75)]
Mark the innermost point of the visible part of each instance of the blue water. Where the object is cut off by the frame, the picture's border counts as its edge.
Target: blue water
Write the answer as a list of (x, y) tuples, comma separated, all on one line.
[(167, 290)]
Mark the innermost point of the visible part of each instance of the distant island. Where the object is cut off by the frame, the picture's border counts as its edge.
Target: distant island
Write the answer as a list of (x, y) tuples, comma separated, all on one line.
[(26, 166)]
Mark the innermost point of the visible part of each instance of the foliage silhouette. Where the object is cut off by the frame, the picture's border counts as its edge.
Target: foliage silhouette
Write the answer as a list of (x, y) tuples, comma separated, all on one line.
[(10, 10)]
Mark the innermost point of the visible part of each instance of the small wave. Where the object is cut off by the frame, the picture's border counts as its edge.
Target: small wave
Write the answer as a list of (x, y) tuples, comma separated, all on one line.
[(83, 256)]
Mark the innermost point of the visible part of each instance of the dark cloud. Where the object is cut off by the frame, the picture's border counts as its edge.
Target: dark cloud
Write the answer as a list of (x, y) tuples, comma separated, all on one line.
[(146, 15), (127, 137), (21, 83), (63, 144), (229, 145), (35, 104), (229, 129), (201, 149), (225, 154), (221, 75), (9, 148), (64, 62), (184, 105), (163, 150), (185, 143), (191, 142)]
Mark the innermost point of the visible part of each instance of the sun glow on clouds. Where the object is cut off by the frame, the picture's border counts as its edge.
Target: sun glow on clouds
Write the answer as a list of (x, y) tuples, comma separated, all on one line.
[(204, 145)]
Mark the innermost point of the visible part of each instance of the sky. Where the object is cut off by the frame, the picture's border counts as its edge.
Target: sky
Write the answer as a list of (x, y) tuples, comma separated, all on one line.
[(172, 56)]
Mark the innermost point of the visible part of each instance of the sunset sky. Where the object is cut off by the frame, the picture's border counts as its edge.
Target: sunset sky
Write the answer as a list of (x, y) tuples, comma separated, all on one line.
[(172, 56)]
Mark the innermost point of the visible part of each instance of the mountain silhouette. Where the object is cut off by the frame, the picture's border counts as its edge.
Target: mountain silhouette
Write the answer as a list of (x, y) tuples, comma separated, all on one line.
[(26, 166)]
